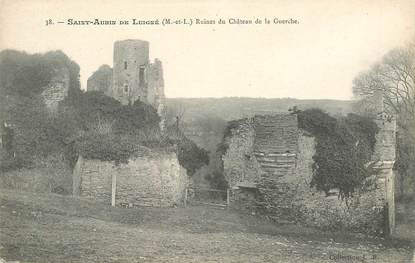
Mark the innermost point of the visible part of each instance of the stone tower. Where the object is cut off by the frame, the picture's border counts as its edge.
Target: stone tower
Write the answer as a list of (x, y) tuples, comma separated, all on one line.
[(131, 61), (134, 77)]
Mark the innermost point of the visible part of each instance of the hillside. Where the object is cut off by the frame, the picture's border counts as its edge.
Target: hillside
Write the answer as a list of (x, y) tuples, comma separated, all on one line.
[(235, 107), (56, 228)]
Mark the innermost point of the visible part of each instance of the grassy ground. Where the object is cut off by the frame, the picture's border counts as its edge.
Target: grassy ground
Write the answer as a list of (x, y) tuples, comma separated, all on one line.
[(54, 228)]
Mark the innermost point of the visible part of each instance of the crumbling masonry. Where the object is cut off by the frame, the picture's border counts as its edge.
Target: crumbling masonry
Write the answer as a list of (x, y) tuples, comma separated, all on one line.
[(268, 166)]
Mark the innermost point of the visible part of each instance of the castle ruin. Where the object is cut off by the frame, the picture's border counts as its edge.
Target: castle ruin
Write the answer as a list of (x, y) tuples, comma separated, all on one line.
[(133, 77), (268, 166)]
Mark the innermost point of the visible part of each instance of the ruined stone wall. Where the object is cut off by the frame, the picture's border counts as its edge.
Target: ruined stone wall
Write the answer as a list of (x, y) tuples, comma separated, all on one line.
[(362, 213), (240, 165), (155, 93), (283, 180), (101, 80), (287, 196), (154, 75), (275, 185), (152, 179), (57, 89), (275, 147), (276, 133)]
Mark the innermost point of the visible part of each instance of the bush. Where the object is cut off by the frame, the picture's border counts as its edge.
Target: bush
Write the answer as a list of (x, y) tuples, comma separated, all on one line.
[(217, 180), (190, 156), (107, 147), (134, 118), (111, 131)]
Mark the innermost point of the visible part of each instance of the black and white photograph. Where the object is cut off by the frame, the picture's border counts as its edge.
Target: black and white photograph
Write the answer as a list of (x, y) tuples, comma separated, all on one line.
[(207, 131)]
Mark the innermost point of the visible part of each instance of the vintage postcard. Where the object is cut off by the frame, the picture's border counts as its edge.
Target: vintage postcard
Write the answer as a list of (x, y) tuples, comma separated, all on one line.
[(207, 131)]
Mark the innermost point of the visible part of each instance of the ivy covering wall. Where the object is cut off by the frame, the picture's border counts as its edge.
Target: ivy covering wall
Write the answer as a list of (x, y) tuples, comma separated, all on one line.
[(343, 150)]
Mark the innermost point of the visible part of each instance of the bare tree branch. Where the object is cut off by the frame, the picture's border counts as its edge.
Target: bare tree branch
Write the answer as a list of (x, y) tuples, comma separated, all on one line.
[(394, 78)]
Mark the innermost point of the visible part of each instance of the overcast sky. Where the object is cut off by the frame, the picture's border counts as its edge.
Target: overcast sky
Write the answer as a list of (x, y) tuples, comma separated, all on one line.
[(318, 58)]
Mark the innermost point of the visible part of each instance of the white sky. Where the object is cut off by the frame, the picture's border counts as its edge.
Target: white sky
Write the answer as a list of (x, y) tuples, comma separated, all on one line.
[(318, 58)]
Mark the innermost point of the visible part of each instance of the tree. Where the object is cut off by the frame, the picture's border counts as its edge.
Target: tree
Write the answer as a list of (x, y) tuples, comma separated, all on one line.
[(175, 114), (190, 156), (390, 84), (393, 78)]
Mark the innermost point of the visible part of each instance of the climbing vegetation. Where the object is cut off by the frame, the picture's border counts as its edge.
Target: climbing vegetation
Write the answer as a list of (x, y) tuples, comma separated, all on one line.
[(344, 147)]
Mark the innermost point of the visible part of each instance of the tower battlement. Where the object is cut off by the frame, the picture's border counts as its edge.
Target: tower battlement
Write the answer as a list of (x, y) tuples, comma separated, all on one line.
[(134, 77)]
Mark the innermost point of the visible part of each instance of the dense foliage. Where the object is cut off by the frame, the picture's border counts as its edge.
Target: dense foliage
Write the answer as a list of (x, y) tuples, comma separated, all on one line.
[(27, 75), (191, 157), (109, 131), (94, 108), (107, 147), (37, 134), (344, 148), (23, 78)]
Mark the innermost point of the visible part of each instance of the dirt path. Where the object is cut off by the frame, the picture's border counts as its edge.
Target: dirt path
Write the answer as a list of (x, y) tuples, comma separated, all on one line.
[(53, 228)]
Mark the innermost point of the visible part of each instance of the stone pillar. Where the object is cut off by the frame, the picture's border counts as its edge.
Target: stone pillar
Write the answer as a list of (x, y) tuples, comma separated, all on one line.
[(386, 179), (384, 156), (390, 198)]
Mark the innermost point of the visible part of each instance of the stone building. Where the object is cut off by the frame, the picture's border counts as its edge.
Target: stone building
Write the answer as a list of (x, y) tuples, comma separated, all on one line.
[(150, 178), (133, 77), (268, 165), (101, 80)]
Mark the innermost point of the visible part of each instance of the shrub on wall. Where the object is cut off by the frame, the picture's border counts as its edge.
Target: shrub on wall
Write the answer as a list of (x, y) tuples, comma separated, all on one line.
[(111, 131), (94, 107), (343, 150), (106, 147), (133, 118)]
